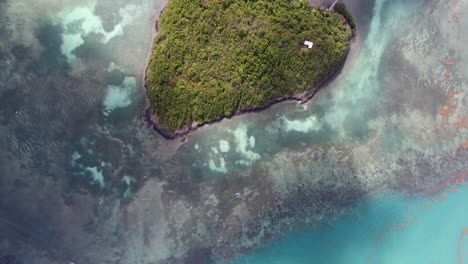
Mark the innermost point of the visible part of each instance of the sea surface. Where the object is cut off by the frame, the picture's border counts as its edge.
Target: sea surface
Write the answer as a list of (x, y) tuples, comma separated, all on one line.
[(387, 229), (370, 170)]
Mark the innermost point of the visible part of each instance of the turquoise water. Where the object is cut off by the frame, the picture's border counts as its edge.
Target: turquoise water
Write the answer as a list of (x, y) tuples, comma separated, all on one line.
[(84, 180), (386, 228), (383, 230)]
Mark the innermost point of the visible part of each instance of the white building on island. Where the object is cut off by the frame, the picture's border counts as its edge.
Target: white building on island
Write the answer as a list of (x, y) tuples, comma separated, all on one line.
[(309, 44)]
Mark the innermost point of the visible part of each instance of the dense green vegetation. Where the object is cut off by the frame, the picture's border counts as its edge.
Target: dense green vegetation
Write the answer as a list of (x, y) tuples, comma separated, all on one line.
[(341, 9), (213, 58)]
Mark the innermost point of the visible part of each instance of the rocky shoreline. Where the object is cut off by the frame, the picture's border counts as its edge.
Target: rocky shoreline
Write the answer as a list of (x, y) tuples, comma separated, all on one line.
[(152, 120)]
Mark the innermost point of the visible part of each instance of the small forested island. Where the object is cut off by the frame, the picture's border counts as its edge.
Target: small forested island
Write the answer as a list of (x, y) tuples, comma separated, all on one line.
[(215, 58)]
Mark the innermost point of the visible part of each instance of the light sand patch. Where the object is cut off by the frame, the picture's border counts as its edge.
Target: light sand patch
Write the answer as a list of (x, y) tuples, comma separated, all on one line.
[(224, 146), (309, 124), (221, 168), (119, 96), (96, 175), (242, 140)]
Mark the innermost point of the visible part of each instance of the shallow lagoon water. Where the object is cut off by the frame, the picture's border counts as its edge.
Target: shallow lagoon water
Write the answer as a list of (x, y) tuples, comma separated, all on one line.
[(341, 113), (371, 155), (384, 228), (389, 229)]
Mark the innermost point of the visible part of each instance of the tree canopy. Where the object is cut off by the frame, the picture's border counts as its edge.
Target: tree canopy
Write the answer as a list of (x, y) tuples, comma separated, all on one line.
[(213, 58)]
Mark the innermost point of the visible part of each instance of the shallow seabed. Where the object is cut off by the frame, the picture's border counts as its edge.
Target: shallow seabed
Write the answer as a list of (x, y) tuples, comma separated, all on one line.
[(381, 230), (371, 170)]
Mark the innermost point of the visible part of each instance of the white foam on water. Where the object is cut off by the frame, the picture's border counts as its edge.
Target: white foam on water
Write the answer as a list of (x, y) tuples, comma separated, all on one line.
[(221, 168), (309, 124), (119, 96), (242, 142), (196, 147), (97, 176), (224, 146)]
